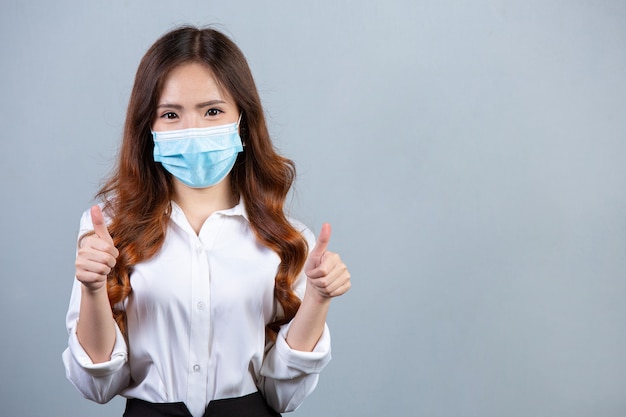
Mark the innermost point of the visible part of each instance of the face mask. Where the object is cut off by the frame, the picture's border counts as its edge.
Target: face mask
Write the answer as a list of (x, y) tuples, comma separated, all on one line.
[(199, 157)]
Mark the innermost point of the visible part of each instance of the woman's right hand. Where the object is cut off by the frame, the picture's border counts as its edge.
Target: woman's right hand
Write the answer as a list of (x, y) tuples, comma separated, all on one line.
[(96, 254)]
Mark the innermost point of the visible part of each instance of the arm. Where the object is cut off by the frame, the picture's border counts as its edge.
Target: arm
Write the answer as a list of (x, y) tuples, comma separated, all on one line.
[(292, 365), (96, 257), (96, 364), (96, 328), (327, 277)]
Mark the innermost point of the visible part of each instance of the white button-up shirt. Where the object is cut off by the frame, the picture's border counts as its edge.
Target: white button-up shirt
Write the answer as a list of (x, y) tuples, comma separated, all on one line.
[(196, 323)]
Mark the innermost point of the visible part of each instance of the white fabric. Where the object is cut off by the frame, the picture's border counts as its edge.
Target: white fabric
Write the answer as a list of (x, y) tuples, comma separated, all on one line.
[(196, 323)]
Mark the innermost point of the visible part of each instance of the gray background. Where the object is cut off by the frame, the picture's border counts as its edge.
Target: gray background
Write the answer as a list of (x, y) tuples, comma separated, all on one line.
[(470, 156)]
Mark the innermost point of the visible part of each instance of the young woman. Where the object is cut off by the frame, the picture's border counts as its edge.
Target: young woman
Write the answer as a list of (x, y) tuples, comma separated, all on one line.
[(194, 294)]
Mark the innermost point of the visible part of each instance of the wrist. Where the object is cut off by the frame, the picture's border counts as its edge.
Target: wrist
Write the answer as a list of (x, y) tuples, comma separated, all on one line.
[(94, 291), (314, 297)]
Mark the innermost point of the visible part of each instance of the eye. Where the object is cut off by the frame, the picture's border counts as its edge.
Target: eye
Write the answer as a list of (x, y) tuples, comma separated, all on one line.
[(213, 112), (169, 115)]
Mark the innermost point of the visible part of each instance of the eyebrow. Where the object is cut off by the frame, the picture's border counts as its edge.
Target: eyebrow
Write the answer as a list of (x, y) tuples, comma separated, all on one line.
[(198, 106)]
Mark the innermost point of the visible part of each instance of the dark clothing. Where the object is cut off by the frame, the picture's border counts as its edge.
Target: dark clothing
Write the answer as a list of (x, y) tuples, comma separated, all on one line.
[(251, 405)]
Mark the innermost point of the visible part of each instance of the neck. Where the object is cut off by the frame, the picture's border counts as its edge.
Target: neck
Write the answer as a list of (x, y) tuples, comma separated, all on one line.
[(199, 203)]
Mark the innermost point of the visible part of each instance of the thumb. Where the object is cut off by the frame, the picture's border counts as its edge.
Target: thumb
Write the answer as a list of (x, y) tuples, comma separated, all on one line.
[(320, 246), (97, 218)]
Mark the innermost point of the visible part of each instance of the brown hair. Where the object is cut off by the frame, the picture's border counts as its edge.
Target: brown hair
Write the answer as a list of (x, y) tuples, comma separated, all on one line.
[(138, 193)]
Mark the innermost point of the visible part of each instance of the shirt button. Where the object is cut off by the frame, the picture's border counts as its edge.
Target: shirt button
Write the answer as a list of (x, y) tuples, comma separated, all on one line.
[(201, 305), (196, 368)]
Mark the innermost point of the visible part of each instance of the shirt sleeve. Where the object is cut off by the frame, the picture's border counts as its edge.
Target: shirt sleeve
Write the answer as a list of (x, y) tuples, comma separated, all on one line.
[(288, 375), (102, 381)]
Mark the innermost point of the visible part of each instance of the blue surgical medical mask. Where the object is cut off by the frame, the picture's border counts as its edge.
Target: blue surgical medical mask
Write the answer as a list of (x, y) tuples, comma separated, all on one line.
[(198, 157)]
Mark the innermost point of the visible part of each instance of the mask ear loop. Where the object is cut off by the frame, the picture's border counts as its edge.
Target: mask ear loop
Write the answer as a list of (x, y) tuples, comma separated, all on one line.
[(243, 143)]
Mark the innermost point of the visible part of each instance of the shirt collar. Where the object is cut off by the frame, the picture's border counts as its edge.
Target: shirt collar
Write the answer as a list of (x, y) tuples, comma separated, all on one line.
[(239, 210)]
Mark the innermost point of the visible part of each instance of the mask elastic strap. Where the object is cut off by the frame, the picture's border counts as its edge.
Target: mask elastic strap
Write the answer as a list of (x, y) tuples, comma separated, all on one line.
[(243, 143)]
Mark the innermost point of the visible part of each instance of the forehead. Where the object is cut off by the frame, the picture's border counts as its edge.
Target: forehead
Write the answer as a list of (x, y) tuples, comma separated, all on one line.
[(192, 81)]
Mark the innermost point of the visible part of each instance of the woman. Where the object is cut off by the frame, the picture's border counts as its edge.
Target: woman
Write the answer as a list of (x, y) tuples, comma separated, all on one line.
[(194, 294)]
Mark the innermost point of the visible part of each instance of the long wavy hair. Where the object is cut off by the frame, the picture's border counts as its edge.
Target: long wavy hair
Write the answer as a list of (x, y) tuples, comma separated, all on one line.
[(138, 193)]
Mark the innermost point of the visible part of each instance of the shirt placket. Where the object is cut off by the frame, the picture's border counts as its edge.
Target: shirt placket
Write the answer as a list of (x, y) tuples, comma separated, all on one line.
[(200, 325)]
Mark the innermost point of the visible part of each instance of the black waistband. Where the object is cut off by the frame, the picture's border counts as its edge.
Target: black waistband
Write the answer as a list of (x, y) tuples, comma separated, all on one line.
[(251, 405)]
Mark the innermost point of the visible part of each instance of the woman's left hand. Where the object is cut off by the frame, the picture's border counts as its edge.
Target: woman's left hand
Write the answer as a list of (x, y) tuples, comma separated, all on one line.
[(327, 275)]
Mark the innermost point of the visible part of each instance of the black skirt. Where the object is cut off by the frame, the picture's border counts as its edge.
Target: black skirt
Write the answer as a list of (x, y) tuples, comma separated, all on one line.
[(251, 405)]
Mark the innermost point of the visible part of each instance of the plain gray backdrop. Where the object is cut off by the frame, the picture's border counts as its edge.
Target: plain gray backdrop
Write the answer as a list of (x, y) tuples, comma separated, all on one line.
[(469, 155)]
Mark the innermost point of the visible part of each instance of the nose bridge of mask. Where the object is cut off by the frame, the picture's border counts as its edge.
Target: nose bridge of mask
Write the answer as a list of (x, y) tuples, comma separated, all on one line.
[(193, 140), (196, 132)]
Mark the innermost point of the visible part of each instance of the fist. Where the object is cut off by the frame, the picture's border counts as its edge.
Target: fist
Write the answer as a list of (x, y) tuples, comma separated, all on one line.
[(96, 254), (327, 275)]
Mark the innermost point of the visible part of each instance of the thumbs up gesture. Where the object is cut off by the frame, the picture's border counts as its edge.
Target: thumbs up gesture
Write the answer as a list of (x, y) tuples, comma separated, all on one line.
[(96, 255), (327, 275)]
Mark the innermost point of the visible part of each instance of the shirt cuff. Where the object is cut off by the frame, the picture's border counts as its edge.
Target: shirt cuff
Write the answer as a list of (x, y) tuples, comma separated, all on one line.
[(118, 356), (306, 362)]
